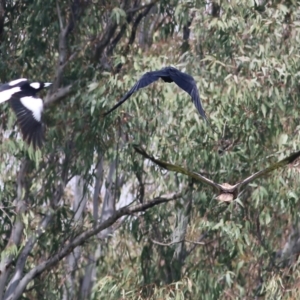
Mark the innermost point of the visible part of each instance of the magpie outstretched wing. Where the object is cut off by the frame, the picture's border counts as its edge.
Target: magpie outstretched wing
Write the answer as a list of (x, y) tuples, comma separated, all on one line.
[(28, 110)]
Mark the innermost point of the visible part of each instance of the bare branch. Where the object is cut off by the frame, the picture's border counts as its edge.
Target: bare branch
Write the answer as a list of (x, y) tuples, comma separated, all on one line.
[(59, 16), (177, 242), (16, 233), (62, 47), (71, 57), (63, 59), (97, 189), (183, 219), (136, 23), (34, 237), (109, 32), (79, 204), (130, 14), (202, 237), (109, 203), (89, 277), (19, 269), (2, 17), (135, 9), (59, 94), (83, 237)]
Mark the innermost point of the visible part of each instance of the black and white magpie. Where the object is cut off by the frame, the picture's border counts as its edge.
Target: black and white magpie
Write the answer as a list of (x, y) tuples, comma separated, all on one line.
[(28, 108), (168, 74)]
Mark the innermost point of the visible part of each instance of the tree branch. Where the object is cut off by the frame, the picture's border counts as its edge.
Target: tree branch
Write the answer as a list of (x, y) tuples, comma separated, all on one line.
[(109, 32), (17, 230), (62, 48), (97, 189), (59, 94), (177, 242), (83, 237), (136, 23), (135, 9), (19, 269), (63, 59), (2, 18)]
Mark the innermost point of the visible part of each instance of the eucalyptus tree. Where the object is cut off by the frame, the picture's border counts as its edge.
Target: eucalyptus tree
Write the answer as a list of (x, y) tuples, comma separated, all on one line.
[(80, 217)]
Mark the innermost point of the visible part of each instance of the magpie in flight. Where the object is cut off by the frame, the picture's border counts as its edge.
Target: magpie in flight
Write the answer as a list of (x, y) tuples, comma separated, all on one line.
[(28, 108), (168, 74), (226, 192)]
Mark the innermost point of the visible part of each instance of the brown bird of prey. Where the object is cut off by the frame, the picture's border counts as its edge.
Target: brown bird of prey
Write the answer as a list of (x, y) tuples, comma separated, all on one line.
[(226, 192)]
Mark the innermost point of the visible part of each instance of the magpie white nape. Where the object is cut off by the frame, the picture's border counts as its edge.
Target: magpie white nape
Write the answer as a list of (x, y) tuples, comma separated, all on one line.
[(28, 108)]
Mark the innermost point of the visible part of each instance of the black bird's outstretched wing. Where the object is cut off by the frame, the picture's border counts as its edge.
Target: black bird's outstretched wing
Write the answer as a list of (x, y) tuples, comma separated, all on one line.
[(145, 80), (29, 120), (168, 74), (188, 84), (178, 169), (282, 163)]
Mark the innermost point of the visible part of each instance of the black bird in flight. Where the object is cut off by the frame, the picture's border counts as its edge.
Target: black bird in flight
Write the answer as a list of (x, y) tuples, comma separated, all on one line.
[(168, 74), (28, 108), (226, 192)]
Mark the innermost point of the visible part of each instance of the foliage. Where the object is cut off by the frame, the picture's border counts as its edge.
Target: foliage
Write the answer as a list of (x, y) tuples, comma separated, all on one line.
[(65, 232)]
